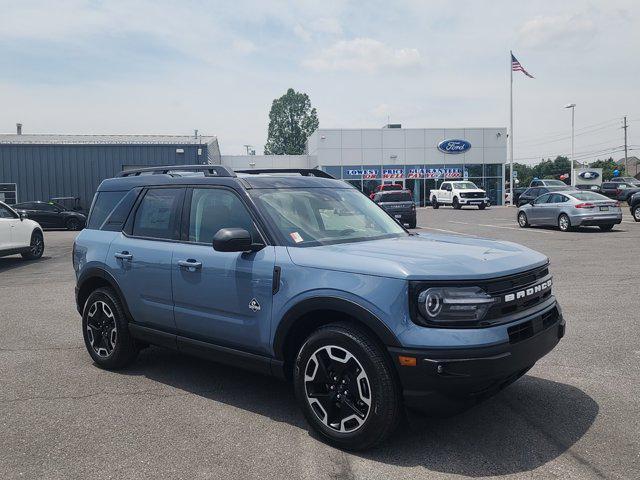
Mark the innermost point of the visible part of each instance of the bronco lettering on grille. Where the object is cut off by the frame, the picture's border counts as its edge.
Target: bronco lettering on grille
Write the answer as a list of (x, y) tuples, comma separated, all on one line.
[(510, 297)]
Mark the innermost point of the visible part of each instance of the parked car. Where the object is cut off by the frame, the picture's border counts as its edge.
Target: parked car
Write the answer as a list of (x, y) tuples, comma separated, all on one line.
[(516, 193), (530, 194), (399, 204), (52, 215), (19, 235), (631, 180), (591, 188), (634, 206), (305, 278), (68, 203), (547, 182), (619, 190), (459, 193), (385, 187), (567, 209)]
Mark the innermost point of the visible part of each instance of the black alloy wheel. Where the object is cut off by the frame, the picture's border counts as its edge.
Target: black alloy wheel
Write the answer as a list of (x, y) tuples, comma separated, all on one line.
[(346, 387), (73, 224), (105, 330), (36, 247)]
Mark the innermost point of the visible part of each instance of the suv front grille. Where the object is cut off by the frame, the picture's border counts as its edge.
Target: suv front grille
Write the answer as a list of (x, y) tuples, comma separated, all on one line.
[(519, 292), (528, 329)]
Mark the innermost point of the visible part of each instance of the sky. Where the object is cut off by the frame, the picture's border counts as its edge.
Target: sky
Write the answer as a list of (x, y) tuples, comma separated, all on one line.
[(171, 67)]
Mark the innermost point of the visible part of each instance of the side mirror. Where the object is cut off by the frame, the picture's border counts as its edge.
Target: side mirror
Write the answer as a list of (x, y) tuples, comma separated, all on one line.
[(234, 240), (22, 216)]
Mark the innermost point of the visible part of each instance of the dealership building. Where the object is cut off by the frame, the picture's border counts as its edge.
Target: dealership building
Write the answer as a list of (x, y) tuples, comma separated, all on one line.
[(41, 167)]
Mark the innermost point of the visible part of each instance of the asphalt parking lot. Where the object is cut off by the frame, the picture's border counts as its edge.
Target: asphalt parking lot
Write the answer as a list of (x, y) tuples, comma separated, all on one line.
[(576, 414)]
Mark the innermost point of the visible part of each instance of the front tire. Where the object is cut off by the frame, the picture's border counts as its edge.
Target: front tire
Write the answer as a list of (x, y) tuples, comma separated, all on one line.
[(523, 221), (482, 206), (564, 224), (636, 213), (346, 387), (434, 203), (105, 331), (456, 203), (36, 247)]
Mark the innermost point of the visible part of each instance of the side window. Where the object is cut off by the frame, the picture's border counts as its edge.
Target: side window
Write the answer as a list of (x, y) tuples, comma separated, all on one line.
[(6, 213), (157, 215), (556, 198), (445, 186), (215, 208), (47, 207), (542, 199), (534, 192), (102, 207)]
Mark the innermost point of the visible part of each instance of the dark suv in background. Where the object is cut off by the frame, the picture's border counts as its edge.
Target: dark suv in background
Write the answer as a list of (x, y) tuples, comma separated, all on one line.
[(620, 191), (398, 204), (530, 194)]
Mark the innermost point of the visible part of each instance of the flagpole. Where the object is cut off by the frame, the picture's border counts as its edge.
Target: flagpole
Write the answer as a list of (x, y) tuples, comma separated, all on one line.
[(511, 128)]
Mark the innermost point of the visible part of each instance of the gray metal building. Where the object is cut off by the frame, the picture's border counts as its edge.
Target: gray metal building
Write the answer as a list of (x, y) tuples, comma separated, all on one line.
[(40, 167)]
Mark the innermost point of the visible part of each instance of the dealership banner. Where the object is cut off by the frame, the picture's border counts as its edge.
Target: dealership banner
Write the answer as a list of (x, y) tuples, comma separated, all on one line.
[(366, 174), (393, 173), (437, 173)]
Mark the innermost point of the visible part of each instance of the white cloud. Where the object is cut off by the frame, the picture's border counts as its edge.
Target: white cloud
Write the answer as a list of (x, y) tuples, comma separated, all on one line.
[(300, 32), (328, 25), (243, 46), (557, 31), (363, 54)]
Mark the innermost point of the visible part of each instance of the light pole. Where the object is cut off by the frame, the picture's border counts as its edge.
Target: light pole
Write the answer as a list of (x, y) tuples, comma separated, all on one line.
[(572, 106)]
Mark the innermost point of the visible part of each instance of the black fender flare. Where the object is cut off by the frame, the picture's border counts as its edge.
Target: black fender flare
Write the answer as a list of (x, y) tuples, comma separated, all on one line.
[(341, 305), (97, 272)]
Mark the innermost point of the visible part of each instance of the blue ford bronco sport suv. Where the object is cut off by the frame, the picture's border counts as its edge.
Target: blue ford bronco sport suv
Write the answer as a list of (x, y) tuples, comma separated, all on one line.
[(301, 276)]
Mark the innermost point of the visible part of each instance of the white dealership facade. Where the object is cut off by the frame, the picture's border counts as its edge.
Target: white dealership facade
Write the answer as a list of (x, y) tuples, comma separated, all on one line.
[(418, 158)]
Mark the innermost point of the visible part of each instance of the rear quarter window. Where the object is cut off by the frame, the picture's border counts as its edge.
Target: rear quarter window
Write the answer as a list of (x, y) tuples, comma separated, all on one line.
[(103, 205)]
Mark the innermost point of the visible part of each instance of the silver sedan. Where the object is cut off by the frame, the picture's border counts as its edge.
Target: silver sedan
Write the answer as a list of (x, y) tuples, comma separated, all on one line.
[(569, 209)]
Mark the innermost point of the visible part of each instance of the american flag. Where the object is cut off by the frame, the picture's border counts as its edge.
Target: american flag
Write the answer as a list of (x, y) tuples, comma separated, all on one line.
[(517, 67)]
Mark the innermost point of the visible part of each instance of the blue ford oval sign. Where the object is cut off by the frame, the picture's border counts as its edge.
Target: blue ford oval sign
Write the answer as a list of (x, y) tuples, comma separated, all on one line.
[(454, 146), (589, 175)]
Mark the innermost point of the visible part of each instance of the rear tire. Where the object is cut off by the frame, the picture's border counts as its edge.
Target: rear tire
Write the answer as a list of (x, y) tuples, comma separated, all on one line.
[(36, 248), (523, 221), (434, 203), (636, 213), (73, 224), (105, 330), (564, 224), (346, 387), (456, 203), (605, 228), (413, 223)]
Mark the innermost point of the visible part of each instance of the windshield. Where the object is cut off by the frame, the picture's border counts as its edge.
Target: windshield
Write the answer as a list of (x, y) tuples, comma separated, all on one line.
[(396, 197), (465, 185), (589, 196), (322, 216)]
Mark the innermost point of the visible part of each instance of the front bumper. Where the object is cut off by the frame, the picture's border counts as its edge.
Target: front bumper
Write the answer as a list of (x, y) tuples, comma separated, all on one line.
[(473, 201), (444, 375)]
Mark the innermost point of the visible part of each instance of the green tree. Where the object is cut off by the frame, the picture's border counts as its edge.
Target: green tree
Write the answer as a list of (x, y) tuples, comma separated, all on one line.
[(291, 121), (525, 174), (608, 166)]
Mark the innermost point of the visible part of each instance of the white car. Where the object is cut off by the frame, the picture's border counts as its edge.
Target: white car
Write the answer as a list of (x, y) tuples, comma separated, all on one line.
[(459, 193), (19, 235)]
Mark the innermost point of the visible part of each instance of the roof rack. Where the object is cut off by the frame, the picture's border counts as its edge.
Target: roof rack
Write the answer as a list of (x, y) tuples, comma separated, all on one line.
[(305, 172), (208, 170)]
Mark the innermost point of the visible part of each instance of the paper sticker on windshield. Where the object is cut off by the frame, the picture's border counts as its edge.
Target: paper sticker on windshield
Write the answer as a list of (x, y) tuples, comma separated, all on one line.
[(296, 237)]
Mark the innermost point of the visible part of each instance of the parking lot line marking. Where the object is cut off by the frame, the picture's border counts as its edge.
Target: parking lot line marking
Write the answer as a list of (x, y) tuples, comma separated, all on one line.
[(497, 226), (447, 231)]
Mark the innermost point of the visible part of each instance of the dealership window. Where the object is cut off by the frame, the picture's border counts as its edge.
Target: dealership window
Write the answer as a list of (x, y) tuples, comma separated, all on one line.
[(474, 170), (493, 170), (334, 171)]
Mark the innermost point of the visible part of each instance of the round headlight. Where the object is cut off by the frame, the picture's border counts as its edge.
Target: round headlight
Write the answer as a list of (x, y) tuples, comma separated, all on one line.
[(430, 301)]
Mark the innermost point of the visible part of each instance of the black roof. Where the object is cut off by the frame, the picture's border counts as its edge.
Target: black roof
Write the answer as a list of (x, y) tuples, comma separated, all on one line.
[(219, 175)]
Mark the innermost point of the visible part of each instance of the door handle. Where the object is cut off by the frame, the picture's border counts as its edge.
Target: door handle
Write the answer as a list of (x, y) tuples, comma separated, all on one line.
[(190, 263), (123, 255)]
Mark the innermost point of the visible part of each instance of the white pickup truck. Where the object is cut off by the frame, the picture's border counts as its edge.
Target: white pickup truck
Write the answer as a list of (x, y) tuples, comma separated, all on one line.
[(459, 193)]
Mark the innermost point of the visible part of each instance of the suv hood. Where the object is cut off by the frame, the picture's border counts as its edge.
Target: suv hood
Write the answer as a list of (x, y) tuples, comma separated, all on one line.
[(422, 257)]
